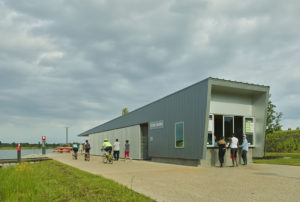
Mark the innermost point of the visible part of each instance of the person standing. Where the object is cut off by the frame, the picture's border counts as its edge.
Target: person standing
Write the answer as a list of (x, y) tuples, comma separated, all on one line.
[(234, 142), (81, 148), (87, 148), (126, 150), (244, 149), (116, 149), (222, 150)]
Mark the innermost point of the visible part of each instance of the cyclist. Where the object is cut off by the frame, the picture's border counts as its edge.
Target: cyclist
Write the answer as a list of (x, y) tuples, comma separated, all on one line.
[(107, 146), (87, 150), (75, 150)]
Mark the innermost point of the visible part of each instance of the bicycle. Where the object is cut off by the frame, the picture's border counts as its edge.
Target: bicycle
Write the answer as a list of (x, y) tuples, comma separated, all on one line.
[(107, 158), (87, 156)]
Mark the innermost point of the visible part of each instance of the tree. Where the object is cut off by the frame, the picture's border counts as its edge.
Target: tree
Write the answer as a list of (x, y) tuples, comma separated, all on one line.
[(273, 118), (124, 111)]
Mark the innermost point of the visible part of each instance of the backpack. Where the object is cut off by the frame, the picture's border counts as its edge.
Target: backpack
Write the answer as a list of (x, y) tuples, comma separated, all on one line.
[(87, 146)]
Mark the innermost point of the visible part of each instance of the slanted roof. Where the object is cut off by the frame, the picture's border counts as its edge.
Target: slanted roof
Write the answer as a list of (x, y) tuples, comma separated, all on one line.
[(217, 84)]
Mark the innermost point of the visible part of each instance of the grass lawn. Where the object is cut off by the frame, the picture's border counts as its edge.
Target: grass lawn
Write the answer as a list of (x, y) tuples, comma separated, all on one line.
[(284, 159), (54, 181)]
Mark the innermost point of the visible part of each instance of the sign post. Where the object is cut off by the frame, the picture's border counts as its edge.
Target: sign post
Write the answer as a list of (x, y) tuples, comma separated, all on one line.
[(43, 145), (19, 152)]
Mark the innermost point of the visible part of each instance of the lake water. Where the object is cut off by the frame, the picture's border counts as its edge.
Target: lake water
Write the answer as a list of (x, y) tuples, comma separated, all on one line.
[(12, 153)]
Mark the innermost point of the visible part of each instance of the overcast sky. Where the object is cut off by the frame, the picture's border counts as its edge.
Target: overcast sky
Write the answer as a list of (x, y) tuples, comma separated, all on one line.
[(78, 63)]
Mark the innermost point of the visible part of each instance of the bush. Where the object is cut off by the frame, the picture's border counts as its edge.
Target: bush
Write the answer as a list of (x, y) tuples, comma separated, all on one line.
[(283, 141)]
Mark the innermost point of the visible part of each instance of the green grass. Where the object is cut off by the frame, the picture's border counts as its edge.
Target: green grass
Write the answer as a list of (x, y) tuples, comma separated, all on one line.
[(54, 181), (284, 159)]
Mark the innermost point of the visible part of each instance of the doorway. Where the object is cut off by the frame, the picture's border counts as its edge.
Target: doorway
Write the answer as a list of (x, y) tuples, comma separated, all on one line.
[(144, 141)]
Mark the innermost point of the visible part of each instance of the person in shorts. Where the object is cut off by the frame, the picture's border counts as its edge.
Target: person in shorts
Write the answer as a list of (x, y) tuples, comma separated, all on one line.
[(126, 150), (234, 142)]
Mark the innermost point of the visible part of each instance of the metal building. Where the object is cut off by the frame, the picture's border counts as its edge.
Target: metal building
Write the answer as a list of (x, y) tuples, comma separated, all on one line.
[(182, 127)]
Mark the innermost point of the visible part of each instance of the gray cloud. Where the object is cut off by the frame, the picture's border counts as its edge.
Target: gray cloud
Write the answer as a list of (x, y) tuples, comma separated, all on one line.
[(79, 63)]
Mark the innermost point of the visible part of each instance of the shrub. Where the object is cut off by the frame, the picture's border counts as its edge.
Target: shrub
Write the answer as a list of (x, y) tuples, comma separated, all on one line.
[(283, 141)]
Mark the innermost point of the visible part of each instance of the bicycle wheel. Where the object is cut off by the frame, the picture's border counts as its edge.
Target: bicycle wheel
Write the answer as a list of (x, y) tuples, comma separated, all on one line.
[(111, 161), (104, 159)]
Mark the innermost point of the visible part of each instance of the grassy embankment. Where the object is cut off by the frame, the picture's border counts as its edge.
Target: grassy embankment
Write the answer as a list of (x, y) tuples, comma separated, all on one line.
[(283, 147), (54, 181)]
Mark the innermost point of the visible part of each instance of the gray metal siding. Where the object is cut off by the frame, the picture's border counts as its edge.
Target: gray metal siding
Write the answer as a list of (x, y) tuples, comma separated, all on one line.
[(187, 105), (133, 134)]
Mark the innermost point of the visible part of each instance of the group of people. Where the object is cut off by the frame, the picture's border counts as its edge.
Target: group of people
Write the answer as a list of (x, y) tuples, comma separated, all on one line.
[(106, 146), (234, 148), (85, 147)]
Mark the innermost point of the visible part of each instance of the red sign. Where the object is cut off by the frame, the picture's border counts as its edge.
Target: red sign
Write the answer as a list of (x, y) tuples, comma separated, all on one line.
[(43, 138), (19, 148)]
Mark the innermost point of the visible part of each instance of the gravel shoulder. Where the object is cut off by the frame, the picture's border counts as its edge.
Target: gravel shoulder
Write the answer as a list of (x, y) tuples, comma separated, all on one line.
[(167, 182)]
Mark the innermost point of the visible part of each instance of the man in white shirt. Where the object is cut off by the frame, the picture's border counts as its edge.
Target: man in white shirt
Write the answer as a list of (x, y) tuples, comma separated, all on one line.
[(116, 148), (234, 142)]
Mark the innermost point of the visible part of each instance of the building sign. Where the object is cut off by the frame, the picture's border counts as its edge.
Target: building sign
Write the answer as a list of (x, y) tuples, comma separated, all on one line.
[(156, 124)]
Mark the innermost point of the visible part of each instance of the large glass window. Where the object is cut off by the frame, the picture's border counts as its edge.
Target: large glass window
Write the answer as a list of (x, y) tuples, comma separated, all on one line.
[(228, 127), (179, 135)]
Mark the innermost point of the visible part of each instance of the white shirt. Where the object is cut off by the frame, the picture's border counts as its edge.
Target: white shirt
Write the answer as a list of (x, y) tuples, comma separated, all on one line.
[(117, 146), (234, 142)]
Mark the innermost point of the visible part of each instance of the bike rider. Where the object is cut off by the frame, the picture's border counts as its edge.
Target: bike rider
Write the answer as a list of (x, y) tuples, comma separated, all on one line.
[(75, 150), (87, 149), (107, 146)]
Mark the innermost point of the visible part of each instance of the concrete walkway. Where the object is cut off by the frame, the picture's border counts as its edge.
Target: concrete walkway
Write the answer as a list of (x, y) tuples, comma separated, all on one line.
[(167, 182)]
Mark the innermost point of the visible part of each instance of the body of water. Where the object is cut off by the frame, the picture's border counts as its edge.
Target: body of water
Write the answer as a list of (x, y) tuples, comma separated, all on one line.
[(12, 153)]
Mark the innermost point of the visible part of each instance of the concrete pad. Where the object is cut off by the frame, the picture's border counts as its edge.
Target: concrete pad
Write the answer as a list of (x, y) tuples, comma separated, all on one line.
[(167, 182)]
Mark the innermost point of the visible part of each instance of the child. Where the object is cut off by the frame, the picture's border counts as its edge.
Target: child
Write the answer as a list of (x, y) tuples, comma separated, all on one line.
[(126, 150)]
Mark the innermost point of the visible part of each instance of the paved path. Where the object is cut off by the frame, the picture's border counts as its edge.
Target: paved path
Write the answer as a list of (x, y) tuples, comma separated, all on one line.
[(167, 182)]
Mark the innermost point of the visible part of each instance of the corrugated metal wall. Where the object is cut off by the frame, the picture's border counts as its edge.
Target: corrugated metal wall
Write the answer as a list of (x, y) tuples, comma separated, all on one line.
[(191, 106), (133, 134), (187, 105)]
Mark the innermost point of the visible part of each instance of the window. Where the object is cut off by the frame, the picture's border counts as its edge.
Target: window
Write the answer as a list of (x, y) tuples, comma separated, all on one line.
[(228, 127), (179, 135), (249, 130), (210, 140)]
